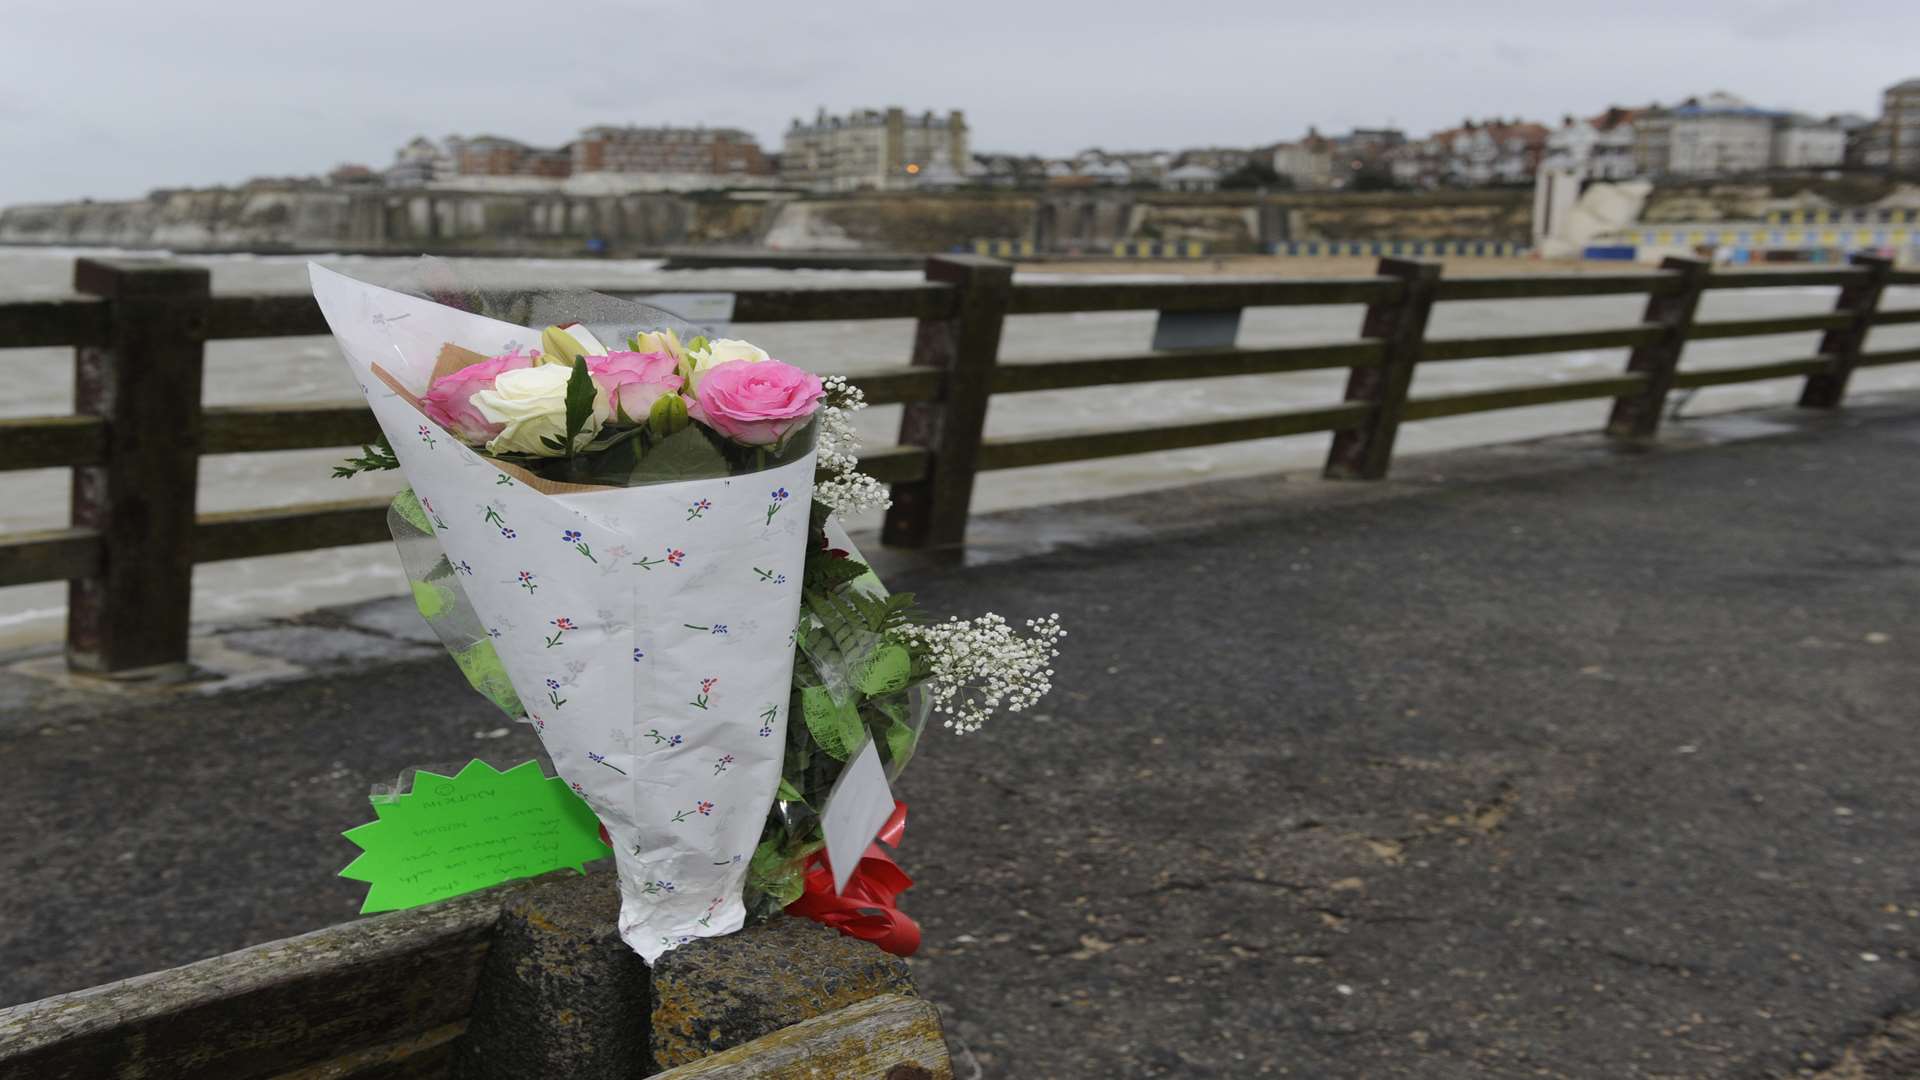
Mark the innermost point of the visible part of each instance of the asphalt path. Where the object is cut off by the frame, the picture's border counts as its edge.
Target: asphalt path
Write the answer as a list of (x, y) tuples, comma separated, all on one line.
[(1605, 768)]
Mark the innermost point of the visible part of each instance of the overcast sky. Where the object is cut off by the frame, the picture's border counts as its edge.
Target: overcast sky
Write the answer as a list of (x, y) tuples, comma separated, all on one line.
[(107, 98)]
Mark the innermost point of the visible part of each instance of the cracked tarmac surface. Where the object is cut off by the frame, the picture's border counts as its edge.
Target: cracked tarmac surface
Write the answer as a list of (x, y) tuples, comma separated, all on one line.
[(1600, 771)]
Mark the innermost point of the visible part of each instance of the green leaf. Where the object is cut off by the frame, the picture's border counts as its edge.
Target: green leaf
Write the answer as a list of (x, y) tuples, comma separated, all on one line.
[(835, 727), (886, 671), (375, 456), (485, 673), (778, 872), (687, 455), (786, 792), (611, 466), (900, 741), (431, 600), (407, 505), (580, 393), (825, 573)]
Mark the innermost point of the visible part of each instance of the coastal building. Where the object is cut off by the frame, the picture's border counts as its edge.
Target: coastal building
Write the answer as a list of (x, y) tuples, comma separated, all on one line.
[(1119, 168), (1867, 146), (680, 151), (1900, 121), (1652, 141), (1802, 142), (872, 149), (1598, 148), (1221, 159), (1720, 135), (1193, 177), (418, 163), (1308, 163), (1009, 170), (1475, 154), (494, 155)]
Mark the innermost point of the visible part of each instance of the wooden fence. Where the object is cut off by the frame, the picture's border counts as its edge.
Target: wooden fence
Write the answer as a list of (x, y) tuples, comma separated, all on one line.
[(138, 429)]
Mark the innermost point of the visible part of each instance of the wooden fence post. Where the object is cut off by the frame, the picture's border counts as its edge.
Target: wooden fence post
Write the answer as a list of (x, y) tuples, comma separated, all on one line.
[(932, 511), (144, 382), (1842, 347), (1364, 452), (1637, 418)]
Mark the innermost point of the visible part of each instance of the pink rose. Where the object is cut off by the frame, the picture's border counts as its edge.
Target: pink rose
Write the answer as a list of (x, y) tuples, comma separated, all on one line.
[(633, 381), (449, 401), (755, 403)]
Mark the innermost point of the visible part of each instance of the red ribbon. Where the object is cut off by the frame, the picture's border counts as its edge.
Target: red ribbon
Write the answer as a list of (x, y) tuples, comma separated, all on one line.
[(865, 910)]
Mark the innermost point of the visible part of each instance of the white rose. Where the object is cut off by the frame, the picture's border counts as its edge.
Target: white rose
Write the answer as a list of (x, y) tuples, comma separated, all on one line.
[(715, 353), (532, 402)]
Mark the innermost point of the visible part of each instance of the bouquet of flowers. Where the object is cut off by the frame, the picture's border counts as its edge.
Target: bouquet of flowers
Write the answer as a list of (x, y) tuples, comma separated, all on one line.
[(626, 547)]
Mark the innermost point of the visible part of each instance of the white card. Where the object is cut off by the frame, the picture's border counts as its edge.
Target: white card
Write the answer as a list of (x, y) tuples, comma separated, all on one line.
[(859, 804)]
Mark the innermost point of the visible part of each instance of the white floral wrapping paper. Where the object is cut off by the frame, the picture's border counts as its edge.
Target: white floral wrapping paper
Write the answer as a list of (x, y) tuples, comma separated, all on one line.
[(647, 630)]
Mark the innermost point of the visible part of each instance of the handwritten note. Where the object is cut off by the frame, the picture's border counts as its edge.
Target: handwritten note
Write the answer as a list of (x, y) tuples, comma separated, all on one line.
[(457, 834)]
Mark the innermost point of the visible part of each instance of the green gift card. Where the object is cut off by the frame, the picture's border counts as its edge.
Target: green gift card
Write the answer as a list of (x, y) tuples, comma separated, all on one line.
[(457, 834)]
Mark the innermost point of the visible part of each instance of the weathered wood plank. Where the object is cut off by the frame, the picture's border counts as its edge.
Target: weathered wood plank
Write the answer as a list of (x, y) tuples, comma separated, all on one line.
[(1052, 298), (49, 555), (234, 429), (1774, 279), (1750, 372), (280, 530), (1785, 324), (899, 387), (1364, 451), (1534, 286), (1488, 400), (890, 1037), (1636, 419), (49, 442), (142, 382), (932, 300), (1888, 356), (1194, 364), (1482, 348), (933, 511), (1841, 345), (243, 534), (1015, 453), (264, 315), (1899, 317), (894, 464), (426, 1056), (65, 320), (266, 1010)]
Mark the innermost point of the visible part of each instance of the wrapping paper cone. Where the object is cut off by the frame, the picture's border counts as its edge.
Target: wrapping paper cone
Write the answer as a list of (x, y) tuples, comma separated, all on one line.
[(649, 637)]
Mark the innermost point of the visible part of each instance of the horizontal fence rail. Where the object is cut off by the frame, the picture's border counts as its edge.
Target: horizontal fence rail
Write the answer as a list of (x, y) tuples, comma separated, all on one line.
[(141, 321)]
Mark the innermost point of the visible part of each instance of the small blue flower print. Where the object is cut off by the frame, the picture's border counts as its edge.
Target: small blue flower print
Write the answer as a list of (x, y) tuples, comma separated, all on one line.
[(572, 536), (638, 656)]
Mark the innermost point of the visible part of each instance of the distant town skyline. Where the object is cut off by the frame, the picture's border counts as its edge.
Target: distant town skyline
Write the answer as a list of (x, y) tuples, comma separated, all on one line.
[(108, 98)]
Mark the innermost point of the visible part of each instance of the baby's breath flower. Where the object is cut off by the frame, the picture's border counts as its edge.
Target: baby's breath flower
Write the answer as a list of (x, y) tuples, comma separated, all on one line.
[(847, 491), (984, 665)]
